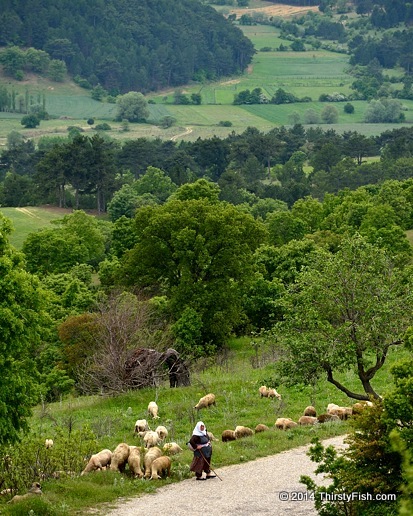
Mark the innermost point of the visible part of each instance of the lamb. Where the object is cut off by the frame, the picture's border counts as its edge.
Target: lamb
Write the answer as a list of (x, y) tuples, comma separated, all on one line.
[(242, 431), (153, 410), (151, 439), (285, 423), (160, 466), (162, 432), (98, 461), (310, 411), (34, 490), (172, 448), (272, 393), (134, 461), (150, 456), (358, 407), (228, 435), (205, 402), (307, 420), (261, 428), (141, 425), (48, 443), (212, 436), (120, 457), (325, 418)]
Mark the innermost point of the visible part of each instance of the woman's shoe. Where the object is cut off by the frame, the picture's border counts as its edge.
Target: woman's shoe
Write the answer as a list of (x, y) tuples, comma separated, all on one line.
[(211, 476)]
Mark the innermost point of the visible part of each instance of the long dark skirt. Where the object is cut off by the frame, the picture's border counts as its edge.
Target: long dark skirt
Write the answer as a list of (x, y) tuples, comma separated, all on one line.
[(199, 464)]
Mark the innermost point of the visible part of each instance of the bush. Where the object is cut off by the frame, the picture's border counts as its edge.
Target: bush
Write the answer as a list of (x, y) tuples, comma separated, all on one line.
[(348, 108), (225, 123), (30, 121), (103, 127)]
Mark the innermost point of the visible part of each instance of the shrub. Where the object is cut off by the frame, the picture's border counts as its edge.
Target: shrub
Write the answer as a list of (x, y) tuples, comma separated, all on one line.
[(348, 108), (30, 121), (103, 127), (225, 123)]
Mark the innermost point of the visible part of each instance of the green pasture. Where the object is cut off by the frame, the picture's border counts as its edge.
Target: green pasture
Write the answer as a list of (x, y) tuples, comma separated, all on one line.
[(234, 377), (29, 220), (264, 36)]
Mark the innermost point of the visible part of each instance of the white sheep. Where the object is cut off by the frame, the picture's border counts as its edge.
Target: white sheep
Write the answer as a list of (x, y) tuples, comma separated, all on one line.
[(134, 461), (263, 390), (141, 425), (242, 431), (261, 428), (120, 457), (34, 490), (48, 443), (307, 420), (285, 423), (310, 411), (98, 461), (151, 438), (272, 393), (149, 457), (153, 409), (172, 448), (206, 401), (159, 467), (212, 437), (162, 432)]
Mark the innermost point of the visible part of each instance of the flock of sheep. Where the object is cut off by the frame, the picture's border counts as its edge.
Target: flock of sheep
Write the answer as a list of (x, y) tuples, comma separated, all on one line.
[(155, 462)]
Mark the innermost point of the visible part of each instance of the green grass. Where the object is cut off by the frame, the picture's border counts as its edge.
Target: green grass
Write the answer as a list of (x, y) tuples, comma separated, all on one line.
[(29, 220), (235, 382)]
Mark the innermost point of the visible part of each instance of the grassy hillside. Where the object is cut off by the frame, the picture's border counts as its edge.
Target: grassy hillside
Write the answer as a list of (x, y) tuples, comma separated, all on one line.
[(30, 219), (234, 377)]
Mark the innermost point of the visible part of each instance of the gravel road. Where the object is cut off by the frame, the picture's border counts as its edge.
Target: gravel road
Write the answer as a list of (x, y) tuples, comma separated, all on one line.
[(255, 487)]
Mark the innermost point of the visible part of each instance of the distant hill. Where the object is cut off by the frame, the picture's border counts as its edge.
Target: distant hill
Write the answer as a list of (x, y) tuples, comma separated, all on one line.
[(141, 45)]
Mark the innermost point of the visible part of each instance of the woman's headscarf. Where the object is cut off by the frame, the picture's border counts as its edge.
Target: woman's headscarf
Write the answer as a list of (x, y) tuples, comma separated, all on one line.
[(197, 429)]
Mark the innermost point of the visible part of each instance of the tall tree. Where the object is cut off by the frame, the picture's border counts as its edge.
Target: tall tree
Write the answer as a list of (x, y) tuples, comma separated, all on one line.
[(345, 312)]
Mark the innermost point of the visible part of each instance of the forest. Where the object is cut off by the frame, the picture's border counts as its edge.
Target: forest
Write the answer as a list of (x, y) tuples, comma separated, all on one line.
[(152, 45)]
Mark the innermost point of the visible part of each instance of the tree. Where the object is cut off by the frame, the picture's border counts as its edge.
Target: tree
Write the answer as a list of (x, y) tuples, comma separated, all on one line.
[(23, 320), (57, 70), (329, 114), (345, 312), (133, 107), (199, 254), (30, 121), (311, 116)]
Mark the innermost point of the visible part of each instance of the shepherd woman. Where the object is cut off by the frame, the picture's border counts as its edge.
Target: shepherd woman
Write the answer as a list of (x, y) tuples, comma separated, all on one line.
[(201, 446)]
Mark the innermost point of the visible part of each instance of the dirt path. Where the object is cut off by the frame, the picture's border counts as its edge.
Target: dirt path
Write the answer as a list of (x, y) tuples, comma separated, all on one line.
[(256, 487), (187, 131)]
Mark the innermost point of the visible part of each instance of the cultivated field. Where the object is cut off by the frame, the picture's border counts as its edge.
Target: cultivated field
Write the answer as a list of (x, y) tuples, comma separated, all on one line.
[(305, 74)]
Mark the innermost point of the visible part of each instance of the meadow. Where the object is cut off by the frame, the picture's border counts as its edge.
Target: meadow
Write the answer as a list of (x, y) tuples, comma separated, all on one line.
[(234, 376)]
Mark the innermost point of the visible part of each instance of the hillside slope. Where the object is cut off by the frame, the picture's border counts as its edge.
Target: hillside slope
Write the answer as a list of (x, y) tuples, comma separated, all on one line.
[(129, 44)]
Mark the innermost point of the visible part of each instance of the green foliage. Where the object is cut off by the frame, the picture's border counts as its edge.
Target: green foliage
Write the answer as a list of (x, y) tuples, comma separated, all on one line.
[(329, 115), (133, 107), (348, 108), (349, 308), (23, 321), (30, 121)]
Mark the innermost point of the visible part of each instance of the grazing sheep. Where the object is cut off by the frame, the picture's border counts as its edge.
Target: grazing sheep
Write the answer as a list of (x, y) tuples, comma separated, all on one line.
[(162, 432), (205, 402), (172, 448), (48, 443), (310, 411), (212, 436), (153, 410), (228, 435), (34, 490), (307, 420), (134, 461), (160, 466), (151, 439), (263, 390), (332, 406), (325, 418), (120, 457), (98, 461), (242, 431), (285, 423), (141, 425), (272, 393), (261, 428), (149, 457)]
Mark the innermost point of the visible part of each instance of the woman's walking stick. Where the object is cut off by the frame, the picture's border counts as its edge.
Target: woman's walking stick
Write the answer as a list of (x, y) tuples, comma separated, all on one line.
[(209, 464)]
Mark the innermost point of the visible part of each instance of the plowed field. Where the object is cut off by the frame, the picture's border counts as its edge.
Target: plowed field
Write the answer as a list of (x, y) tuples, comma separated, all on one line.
[(281, 10)]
